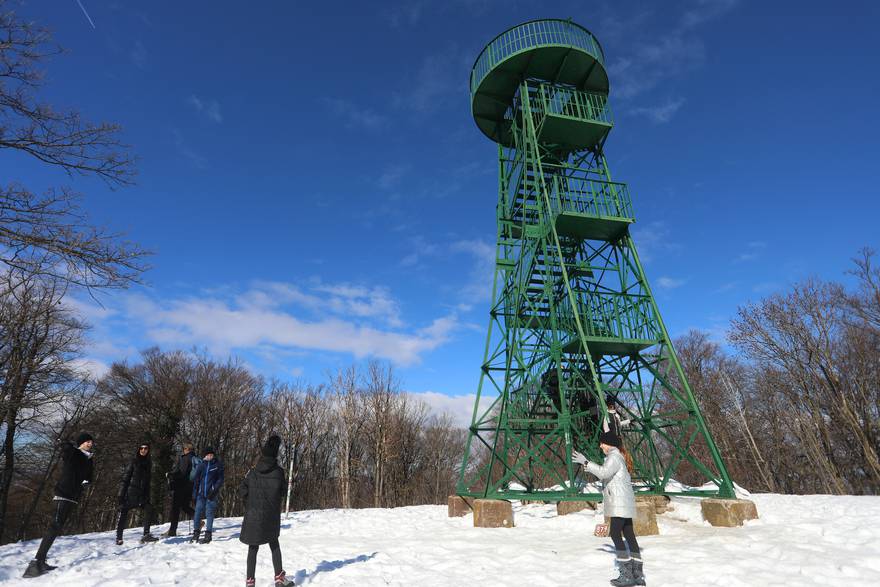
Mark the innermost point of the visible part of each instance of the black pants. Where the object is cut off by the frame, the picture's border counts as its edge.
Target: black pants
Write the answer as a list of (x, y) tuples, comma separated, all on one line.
[(59, 516), (179, 504), (624, 526), (252, 558), (123, 517)]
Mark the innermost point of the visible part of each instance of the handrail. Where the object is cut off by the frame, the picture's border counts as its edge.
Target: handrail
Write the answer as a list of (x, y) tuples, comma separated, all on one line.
[(535, 33)]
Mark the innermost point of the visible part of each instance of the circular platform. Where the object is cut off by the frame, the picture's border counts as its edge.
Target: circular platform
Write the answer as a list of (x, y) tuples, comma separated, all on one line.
[(552, 50)]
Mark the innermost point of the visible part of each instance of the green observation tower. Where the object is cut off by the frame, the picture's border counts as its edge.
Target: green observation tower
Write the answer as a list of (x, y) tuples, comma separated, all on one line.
[(573, 319)]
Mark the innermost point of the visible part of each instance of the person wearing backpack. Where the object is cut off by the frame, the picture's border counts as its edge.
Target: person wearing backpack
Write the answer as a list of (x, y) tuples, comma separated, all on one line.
[(262, 490), (208, 480), (180, 482)]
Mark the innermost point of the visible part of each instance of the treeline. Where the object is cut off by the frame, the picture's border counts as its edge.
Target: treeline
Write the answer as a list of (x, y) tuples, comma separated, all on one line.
[(355, 440), (794, 405)]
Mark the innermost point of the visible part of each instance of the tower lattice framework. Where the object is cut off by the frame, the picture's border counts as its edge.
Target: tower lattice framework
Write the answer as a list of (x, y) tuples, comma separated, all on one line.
[(573, 318)]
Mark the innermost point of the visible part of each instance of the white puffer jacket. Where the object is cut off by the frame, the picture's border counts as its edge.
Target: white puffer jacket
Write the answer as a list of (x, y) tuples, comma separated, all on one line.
[(617, 495)]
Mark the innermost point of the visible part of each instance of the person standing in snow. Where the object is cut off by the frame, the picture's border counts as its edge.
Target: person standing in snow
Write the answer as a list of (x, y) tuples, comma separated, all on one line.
[(134, 492), (262, 490), (614, 423), (181, 488), (206, 490), (620, 505), (76, 473)]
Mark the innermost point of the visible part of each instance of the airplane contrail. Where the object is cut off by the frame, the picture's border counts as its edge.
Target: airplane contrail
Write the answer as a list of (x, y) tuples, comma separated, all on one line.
[(83, 8)]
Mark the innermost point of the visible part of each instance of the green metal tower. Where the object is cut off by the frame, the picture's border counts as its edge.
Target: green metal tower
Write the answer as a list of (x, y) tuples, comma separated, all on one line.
[(573, 318)]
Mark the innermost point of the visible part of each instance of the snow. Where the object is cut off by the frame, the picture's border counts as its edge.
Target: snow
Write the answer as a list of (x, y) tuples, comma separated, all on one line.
[(799, 540)]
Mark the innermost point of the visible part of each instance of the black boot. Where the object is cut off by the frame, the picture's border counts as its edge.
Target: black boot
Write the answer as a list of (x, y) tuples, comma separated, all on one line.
[(195, 536), (169, 534), (207, 538), (33, 569), (148, 538), (46, 567)]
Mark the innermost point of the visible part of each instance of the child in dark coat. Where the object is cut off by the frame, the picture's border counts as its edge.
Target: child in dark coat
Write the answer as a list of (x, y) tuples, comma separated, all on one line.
[(262, 491)]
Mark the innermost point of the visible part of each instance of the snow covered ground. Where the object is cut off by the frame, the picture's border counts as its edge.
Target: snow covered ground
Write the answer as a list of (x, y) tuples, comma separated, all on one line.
[(812, 540)]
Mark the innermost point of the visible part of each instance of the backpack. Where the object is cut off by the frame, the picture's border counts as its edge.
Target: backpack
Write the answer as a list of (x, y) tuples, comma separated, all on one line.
[(194, 466)]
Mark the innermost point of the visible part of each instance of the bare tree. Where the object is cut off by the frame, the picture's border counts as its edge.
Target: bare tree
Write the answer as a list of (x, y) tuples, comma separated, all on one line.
[(350, 416), (38, 341), (48, 234)]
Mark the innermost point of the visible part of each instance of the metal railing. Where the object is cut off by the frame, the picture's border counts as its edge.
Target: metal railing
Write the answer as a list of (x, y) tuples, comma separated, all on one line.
[(615, 315), (591, 197), (563, 101), (530, 35)]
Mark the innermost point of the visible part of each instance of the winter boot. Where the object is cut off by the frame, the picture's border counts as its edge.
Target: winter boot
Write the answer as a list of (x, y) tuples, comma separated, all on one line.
[(281, 580), (195, 536), (626, 578), (119, 542), (207, 538), (46, 566), (638, 573), (34, 569), (250, 582), (148, 538), (168, 534)]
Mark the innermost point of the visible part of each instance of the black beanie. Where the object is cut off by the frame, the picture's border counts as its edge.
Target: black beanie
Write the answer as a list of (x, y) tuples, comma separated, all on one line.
[(609, 438), (270, 449), (208, 450), (83, 437)]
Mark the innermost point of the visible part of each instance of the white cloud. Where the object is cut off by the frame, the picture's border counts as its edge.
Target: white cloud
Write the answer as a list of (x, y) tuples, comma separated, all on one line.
[(459, 407), (665, 282), (355, 116), (653, 239), (662, 113), (210, 109), (359, 320), (479, 285)]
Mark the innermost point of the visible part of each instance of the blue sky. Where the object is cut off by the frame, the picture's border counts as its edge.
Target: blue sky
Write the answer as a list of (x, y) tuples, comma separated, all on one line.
[(316, 192)]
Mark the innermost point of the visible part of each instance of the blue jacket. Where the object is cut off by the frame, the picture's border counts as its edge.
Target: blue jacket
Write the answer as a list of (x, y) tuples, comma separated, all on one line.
[(209, 479)]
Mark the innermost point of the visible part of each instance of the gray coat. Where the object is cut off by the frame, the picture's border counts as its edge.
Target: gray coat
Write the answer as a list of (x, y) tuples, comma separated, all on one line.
[(617, 494)]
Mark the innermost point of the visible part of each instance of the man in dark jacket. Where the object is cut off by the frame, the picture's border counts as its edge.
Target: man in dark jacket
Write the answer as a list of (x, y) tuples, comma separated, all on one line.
[(134, 492), (206, 490), (76, 473), (262, 491), (181, 488)]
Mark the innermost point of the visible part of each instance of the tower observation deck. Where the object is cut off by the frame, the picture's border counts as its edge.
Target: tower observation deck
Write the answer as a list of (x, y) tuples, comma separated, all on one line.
[(573, 323)]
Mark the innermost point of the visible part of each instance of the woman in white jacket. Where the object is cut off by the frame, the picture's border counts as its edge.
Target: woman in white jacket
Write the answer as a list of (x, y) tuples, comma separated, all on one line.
[(620, 506)]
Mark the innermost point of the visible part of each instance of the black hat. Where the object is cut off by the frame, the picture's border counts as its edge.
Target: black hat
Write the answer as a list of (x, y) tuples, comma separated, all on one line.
[(83, 437), (609, 438), (209, 450), (270, 449)]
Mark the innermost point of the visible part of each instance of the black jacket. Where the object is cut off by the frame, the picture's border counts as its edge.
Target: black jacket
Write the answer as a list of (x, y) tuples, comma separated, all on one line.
[(135, 488), (262, 491), (76, 467), (180, 474)]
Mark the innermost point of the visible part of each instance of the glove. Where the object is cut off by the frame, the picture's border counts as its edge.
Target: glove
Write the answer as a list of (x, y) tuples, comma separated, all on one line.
[(578, 458)]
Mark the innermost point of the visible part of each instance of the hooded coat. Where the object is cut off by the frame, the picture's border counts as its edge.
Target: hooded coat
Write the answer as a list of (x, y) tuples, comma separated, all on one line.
[(135, 488), (617, 492), (262, 491)]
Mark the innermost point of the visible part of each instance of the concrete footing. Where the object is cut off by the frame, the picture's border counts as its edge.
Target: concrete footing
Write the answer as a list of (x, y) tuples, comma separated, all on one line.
[(460, 506), (493, 513), (659, 502), (569, 507), (728, 512), (645, 522)]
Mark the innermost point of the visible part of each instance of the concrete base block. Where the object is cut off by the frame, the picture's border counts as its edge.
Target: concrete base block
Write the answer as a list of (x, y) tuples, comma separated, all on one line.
[(660, 502), (493, 513), (460, 506), (645, 522), (728, 512), (569, 507)]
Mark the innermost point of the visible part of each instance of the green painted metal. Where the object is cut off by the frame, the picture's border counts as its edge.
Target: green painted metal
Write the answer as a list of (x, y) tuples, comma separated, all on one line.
[(573, 317)]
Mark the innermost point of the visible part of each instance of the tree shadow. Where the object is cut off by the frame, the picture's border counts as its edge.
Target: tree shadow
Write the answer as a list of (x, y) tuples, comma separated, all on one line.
[(326, 566)]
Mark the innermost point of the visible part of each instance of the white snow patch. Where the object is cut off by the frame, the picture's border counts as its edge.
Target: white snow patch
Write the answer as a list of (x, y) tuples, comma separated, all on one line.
[(799, 540)]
